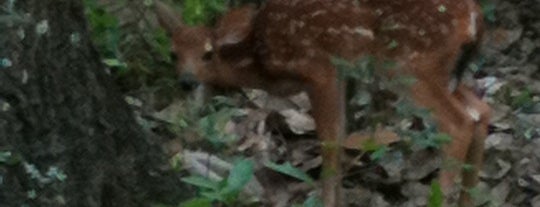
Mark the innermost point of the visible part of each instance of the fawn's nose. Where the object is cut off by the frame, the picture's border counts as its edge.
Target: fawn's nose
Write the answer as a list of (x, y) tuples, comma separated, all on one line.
[(188, 82)]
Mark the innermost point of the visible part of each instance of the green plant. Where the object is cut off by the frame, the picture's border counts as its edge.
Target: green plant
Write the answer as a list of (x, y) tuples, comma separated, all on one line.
[(287, 169), (523, 101), (201, 12), (134, 49), (105, 33), (377, 150), (436, 196), (369, 85), (488, 8), (212, 126), (225, 191), (425, 136), (290, 170), (312, 201), (5, 156), (208, 121)]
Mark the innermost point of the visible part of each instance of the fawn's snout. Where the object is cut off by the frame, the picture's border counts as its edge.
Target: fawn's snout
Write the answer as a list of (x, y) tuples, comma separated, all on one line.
[(188, 81), (186, 73), (186, 76)]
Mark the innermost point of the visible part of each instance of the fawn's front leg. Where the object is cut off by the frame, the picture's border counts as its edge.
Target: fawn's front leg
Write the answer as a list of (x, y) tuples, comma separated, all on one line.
[(327, 94)]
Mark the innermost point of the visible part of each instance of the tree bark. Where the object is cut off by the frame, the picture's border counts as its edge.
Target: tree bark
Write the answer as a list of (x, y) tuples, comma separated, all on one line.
[(60, 111)]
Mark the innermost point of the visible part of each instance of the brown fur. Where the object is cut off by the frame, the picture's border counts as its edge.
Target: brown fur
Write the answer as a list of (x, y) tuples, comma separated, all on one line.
[(287, 45)]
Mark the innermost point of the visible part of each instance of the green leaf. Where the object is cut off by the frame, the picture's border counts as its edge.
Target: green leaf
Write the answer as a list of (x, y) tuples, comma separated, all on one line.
[(393, 44), (442, 8), (215, 196), (523, 101), (529, 133), (488, 9), (197, 202), (201, 182), (162, 43), (468, 168), (379, 153), (5, 156), (193, 12), (436, 196), (212, 127), (176, 162), (240, 175), (31, 194), (440, 139), (313, 201), (198, 12), (290, 170), (110, 62), (56, 173), (362, 98), (371, 145)]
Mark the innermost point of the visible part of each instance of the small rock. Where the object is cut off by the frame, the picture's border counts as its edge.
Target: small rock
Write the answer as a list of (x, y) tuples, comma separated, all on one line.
[(500, 192), (495, 170), (421, 164), (499, 141)]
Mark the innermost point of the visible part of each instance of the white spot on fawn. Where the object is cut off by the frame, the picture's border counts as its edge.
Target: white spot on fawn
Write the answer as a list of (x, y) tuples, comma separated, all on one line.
[(453, 84), (332, 30), (244, 62), (295, 24), (294, 2), (422, 32), (472, 25), (277, 62), (208, 46), (311, 53), (317, 13), (413, 55), (305, 42), (444, 29), (364, 32), (475, 115)]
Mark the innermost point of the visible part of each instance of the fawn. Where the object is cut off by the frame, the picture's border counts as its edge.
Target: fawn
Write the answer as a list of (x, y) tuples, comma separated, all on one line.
[(286, 46)]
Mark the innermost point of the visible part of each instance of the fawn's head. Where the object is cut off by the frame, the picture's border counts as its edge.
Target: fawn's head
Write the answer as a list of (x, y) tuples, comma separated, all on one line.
[(198, 48)]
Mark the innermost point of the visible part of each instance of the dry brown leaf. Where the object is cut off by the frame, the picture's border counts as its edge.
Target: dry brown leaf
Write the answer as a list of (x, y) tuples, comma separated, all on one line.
[(302, 101), (171, 113), (263, 100), (299, 123), (356, 140)]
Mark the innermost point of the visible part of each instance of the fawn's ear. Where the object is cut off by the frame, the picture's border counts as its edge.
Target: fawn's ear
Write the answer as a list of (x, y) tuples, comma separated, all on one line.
[(235, 26), (167, 18)]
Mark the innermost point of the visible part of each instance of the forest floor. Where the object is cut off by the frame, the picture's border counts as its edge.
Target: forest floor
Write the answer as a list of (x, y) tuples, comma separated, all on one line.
[(397, 172)]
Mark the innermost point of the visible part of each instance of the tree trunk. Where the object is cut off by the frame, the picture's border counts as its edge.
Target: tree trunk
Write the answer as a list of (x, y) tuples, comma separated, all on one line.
[(61, 115)]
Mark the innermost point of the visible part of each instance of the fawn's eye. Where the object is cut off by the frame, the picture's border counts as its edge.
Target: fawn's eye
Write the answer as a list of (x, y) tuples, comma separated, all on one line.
[(208, 56)]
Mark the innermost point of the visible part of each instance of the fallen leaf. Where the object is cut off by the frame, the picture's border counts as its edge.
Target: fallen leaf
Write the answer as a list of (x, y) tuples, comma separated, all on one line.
[(381, 136), (299, 123)]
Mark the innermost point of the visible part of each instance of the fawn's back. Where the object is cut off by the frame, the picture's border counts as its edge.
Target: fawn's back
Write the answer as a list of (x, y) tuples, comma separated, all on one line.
[(424, 37)]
